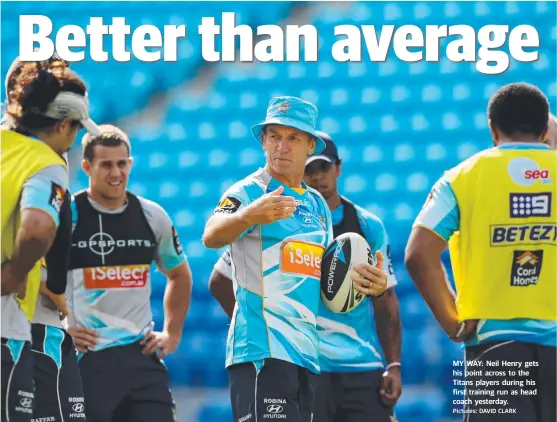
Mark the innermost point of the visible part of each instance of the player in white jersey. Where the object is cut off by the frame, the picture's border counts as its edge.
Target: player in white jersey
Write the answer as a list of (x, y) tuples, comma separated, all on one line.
[(278, 228), (116, 237)]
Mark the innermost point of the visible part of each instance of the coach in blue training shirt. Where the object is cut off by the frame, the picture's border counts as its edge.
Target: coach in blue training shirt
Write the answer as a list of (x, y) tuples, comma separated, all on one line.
[(270, 219), (354, 386)]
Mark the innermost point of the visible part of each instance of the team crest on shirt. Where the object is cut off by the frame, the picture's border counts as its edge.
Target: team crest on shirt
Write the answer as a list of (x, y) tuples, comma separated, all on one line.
[(56, 199), (228, 205), (176, 241)]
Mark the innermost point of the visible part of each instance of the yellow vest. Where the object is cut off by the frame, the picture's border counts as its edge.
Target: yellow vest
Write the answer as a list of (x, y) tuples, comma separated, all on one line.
[(504, 256), (21, 157)]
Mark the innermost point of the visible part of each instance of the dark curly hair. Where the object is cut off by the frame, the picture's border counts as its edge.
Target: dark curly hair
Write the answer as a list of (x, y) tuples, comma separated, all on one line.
[(32, 86), (519, 109)]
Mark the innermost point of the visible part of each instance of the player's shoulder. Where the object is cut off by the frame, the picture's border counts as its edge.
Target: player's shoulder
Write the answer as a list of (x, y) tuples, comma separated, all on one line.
[(318, 197), (152, 209), (469, 163), (315, 193), (251, 186), (55, 173), (371, 220)]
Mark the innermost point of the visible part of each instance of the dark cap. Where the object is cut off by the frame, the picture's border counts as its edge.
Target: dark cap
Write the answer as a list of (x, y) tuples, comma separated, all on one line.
[(329, 154)]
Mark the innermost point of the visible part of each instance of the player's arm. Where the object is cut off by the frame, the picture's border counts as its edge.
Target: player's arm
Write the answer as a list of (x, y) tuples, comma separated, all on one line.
[(177, 299), (57, 257), (387, 313), (172, 262), (434, 226), (40, 206), (236, 215), (386, 307), (389, 328), (220, 284)]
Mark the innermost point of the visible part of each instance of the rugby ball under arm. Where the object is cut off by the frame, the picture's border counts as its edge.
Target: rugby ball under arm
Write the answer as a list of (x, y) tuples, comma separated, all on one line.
[(337, 290)]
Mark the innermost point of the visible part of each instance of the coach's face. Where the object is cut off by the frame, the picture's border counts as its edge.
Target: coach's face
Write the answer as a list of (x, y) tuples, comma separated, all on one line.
[(287, 149), (322, 176), (109, 171)]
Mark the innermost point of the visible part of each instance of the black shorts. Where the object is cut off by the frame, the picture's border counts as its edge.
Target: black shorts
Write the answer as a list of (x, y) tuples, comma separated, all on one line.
[(18, 398), (531, 408), (122, 384), (272, 389), (58, 390), (350, 397)]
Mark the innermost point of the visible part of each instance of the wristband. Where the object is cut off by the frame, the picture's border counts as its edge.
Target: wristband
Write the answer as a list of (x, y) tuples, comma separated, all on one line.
[(392, 365)]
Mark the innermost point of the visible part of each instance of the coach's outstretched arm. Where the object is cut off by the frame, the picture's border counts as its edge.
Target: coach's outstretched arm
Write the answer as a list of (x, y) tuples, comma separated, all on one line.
[(33, 240), (225, 228), (423, 262)]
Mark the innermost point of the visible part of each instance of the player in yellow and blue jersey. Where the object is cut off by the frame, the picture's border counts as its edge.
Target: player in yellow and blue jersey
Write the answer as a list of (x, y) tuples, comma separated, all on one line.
[(496, 213), (277, 228), (47, 105)]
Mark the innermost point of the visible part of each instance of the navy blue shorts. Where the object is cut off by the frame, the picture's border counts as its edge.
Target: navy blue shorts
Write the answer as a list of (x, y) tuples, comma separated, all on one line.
[(58, 389), (350, 397), (539, 407), (17, 381), (272, 389), (122, 384)]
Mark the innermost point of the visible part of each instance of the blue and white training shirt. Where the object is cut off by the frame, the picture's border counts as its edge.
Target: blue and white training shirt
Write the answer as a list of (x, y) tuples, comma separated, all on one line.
[(349, 341), (276, 272)]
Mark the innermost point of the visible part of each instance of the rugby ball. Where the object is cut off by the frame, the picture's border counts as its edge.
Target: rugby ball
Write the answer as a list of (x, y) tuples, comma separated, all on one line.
[(337, 290)]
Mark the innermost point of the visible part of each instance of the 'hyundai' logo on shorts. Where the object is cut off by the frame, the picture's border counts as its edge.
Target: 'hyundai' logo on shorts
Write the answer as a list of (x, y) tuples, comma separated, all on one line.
[(26, 402), (78, 407), (274, 408)]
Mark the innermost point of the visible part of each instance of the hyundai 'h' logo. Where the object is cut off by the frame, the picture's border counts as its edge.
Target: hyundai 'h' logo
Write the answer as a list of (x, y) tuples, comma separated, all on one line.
[(274, 408)]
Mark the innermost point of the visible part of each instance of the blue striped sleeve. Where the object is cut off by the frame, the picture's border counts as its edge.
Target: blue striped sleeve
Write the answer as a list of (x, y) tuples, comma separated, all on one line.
[(440, 211)]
